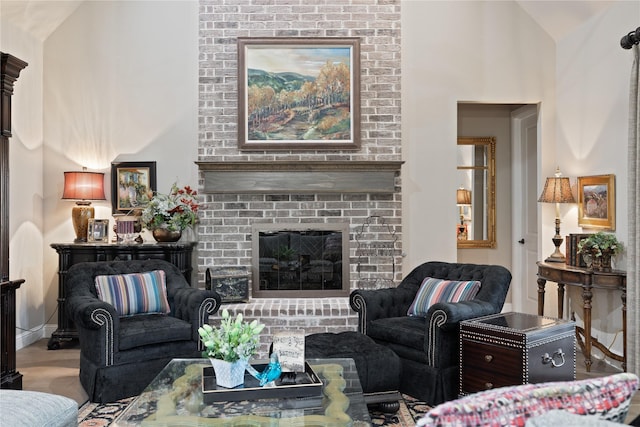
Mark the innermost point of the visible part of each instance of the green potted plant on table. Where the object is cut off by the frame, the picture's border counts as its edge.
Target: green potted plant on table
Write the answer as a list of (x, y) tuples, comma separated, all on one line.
[(167, 215), (598, 248), (230, 346)]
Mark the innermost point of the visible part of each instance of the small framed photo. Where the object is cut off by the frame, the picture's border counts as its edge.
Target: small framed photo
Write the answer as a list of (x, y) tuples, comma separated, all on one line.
[(132, 185), (597, 201), (298, 93), (98, 230)]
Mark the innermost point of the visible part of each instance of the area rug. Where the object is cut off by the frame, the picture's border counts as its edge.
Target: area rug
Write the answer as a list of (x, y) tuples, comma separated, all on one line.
[(97, 415)]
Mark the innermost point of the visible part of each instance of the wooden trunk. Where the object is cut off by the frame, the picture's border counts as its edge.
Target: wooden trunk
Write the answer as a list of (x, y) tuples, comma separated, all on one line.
[(515, 348)]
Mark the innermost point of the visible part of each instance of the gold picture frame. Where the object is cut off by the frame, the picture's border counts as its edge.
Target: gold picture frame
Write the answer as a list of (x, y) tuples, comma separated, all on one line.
[(98, 230), (597, 202)]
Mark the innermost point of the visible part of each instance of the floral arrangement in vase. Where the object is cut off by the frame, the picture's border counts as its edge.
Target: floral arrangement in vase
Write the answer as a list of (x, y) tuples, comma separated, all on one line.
[(598, 248), (230, 346), (234, 340), (171, 212)]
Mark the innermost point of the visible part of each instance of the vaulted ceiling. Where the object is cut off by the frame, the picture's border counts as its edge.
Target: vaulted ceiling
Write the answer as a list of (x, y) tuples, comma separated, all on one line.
[(37, 17), (557, 18)]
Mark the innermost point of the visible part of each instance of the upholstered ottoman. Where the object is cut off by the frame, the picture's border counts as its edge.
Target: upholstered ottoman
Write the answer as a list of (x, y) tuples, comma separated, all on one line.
[(34, 409), (378, 366)]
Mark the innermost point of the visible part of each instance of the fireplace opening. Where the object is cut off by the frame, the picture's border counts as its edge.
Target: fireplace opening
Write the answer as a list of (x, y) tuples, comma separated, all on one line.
[(300, 261)]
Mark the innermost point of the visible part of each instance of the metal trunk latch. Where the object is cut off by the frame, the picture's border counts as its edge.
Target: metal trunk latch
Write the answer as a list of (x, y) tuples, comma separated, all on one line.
[(559, 354)]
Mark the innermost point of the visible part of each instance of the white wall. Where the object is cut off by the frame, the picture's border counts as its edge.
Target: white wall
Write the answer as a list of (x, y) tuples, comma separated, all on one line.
[(117, 81), (489, 52), (25, 164), (592, 75), (493, 52), (120, 84)]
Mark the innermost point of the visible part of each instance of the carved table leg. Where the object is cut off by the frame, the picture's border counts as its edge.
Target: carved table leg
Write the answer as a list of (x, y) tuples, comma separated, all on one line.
[(560, 300), (586, 309), (624, 329), (541, 283)]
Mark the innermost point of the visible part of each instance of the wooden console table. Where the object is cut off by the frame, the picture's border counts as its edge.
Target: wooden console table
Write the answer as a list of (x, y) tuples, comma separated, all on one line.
[(178, 254), (587, 280)]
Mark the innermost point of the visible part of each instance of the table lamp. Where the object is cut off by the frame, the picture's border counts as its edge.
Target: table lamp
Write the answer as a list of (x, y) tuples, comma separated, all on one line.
[(83, 187), (463, 198), (557, 190)]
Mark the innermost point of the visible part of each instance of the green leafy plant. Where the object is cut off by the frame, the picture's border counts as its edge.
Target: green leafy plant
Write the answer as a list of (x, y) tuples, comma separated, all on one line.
[(598, 243), (285, 253), (234, 340), (174, 211)]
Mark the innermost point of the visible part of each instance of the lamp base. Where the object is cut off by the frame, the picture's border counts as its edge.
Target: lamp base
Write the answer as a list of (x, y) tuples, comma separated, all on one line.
[(80, 215), (556, 256)]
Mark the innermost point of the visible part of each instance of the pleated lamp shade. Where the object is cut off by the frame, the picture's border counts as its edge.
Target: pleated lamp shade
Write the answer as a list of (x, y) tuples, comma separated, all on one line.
[(463, 197), (557, 190)]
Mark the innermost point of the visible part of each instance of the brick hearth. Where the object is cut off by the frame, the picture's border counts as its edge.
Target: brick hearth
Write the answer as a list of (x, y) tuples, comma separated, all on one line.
[(309, 314)]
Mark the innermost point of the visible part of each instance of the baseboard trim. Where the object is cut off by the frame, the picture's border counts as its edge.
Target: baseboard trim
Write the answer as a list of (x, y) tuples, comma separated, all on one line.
[(26, 338)]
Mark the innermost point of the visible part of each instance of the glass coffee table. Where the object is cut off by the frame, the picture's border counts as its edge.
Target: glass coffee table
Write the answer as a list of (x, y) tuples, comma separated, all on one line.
[(175, 398)]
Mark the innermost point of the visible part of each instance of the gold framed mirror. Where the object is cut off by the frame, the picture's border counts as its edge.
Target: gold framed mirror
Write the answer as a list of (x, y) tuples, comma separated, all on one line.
[(476, 195)]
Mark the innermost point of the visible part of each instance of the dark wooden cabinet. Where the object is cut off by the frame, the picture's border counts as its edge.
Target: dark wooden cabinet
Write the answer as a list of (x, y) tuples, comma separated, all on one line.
[(10, 68), (515, 348), (10, 377), (179, 254)]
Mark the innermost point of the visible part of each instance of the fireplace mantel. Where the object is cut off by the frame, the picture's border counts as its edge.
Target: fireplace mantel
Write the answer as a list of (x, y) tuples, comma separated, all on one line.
[(300, 176)]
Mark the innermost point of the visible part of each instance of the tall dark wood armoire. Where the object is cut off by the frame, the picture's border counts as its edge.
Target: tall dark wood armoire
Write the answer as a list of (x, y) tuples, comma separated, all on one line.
[(10, 68)]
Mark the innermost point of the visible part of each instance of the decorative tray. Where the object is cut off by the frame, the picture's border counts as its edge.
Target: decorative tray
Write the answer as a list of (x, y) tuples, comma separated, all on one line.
[(307, 384)]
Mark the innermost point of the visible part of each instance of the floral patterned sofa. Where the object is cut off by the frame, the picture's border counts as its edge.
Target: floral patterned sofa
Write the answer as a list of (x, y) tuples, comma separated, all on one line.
[(598, 399)]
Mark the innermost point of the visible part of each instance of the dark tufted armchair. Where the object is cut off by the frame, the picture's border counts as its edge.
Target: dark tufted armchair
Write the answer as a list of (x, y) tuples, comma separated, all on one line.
[(429, 346), (119, 356)]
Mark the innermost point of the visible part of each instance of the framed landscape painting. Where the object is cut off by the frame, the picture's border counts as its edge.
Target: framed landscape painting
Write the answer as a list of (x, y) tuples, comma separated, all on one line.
[(597, 202), (132, 185), (298, 93)]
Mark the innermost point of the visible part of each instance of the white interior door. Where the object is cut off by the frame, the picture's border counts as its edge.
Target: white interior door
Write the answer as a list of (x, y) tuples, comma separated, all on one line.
[(524, 125)]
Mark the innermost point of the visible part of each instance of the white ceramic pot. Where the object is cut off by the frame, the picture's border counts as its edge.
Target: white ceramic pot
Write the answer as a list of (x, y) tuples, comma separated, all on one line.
[(229, 374)]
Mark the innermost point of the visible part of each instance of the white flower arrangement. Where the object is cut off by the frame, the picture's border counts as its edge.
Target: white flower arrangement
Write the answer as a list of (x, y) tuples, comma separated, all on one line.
[(234, 340)]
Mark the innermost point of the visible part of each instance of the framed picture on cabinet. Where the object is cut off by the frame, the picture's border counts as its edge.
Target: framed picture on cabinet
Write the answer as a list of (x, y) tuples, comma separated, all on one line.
[(98, 230), (298, 93), (597, 201), (132, 185)]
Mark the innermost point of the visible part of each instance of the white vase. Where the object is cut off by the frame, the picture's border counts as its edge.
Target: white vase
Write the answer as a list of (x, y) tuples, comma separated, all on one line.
[(229, 374)]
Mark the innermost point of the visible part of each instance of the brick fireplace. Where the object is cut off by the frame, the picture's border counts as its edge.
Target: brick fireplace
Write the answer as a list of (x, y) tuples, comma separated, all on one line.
[(244, 188), (229, 223)]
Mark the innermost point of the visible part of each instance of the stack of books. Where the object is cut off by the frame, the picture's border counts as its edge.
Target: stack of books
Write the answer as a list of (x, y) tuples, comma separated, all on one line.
[(573, 257)]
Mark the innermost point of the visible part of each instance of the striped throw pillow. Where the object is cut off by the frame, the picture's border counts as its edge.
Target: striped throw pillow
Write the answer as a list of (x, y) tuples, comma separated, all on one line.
[(438, 290), (134, 293)]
